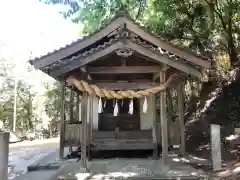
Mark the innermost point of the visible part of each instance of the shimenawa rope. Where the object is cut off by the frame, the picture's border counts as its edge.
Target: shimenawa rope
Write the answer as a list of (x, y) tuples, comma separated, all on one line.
[(103, 93)]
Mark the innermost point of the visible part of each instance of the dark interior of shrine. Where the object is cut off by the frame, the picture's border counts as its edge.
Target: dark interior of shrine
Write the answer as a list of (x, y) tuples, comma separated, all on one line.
[(124, 121)]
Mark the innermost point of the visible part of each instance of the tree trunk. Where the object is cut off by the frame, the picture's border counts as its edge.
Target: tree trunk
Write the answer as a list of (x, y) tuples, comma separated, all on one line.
[(50, 129)]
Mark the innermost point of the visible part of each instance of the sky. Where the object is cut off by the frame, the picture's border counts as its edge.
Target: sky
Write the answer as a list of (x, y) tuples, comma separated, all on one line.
[(30, 28)]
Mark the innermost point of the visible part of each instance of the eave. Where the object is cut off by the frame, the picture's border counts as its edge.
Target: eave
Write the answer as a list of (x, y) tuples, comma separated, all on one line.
[(109, 29)]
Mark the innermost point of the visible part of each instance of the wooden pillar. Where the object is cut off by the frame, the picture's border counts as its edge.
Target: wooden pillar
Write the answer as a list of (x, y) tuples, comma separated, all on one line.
[(4, 152), (84, 130), (90, 126), (164, 128), (180, 96), (169, 115), (71, 112), (154, 132), (77, 107), (62, 121), (71, 105)]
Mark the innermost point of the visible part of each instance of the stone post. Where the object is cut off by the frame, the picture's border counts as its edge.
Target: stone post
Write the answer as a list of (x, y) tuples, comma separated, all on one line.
[(4, 151), (216, 147)]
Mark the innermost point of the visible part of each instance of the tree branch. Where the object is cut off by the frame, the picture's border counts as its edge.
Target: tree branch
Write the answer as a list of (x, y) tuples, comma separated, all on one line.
[(139, 9)]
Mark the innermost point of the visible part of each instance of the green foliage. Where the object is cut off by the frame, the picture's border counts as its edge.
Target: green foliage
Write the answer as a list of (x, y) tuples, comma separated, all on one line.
[(204, 26), (25, 109), (93, 13), (53, 103)]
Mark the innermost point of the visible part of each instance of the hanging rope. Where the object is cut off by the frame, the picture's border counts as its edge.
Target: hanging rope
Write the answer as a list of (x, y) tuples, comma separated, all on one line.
[(103, 93)]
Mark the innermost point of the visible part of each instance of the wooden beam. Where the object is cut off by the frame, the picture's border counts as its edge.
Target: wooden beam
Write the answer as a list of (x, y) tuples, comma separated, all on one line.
[(65, 52), (164, 128), (167, 46), (157, 57), (123, 69), (180, 97), (125, 85), (77, 63), (62, 121)]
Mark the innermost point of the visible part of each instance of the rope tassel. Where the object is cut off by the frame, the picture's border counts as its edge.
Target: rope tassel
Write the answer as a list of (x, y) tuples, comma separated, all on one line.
[(100, 110), (105, 104), (145, 106), (131, 107), (115, 111)]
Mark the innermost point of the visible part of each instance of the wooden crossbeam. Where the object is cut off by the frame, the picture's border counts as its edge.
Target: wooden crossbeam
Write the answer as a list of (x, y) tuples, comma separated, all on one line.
[(123, 70)]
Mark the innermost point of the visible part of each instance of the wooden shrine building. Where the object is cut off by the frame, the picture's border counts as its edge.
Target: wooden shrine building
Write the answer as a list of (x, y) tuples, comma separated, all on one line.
[(118, 65)]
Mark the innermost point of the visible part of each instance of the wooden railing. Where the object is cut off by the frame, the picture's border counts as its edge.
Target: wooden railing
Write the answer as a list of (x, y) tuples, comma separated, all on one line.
[(72, 134)]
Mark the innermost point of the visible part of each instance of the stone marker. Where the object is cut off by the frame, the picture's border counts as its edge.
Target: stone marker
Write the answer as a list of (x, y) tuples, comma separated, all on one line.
[(4, 151), (216, 147)]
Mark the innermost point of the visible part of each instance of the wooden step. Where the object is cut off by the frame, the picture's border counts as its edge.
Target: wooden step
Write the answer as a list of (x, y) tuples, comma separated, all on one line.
[(123, 144)]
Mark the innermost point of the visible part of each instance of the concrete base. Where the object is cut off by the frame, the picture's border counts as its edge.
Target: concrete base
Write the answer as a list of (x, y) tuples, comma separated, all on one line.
[(127, 169)]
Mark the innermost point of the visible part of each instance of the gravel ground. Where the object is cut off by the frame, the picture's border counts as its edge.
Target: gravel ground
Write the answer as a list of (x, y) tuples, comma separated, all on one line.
[(126, 168)]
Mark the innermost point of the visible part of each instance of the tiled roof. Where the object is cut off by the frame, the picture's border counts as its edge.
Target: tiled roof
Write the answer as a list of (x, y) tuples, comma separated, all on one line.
[(107, 22)]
